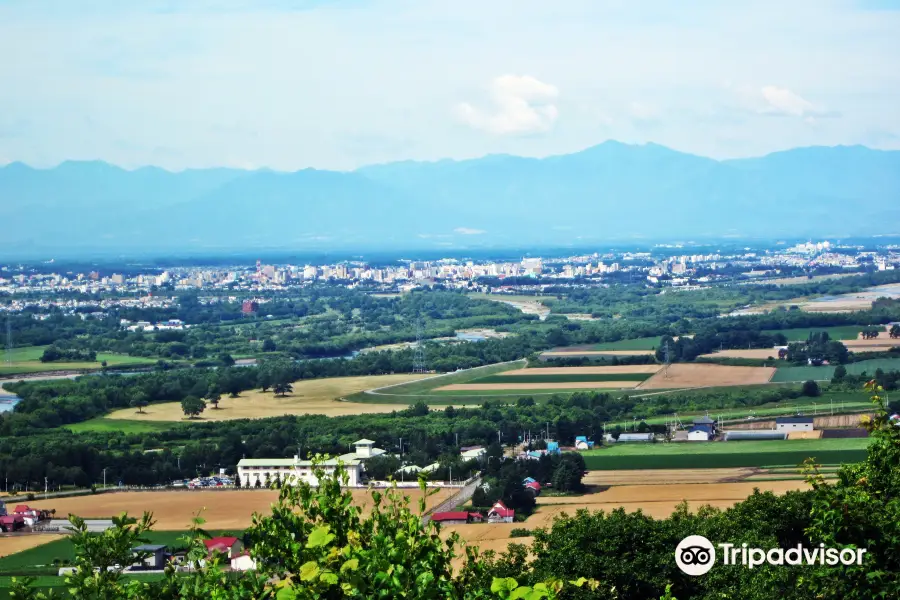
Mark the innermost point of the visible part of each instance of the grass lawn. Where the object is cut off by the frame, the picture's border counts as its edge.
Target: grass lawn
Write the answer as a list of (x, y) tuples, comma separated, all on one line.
[(512, 298), (28, 360), (801, 334)]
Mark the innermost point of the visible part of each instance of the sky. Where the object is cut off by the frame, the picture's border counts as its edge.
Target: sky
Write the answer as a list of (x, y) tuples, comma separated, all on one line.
[(337, 84)]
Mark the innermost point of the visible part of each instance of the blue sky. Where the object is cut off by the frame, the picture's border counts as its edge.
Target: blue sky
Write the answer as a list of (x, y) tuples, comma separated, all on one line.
[(342, 83)]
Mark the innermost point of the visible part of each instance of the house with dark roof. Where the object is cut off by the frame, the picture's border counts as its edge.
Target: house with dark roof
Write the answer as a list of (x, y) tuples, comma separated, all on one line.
[(798, 423), (154, 557)]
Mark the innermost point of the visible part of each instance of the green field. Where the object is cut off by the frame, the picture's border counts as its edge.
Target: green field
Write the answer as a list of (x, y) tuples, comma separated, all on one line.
[(801, 334), (697, 455), (794, 374), (647, 343), (102, 424), (574, 377), (423, 389), (28, 360)]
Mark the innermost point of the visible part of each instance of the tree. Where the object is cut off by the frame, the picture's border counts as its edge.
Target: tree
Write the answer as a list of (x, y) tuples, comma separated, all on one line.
[(192, 406), (810, 388), (269, 345), (226, 360), (895, 331), (839, 373), (282, 389), (139, 400), (214, 398), (567, 477), (382, 467)]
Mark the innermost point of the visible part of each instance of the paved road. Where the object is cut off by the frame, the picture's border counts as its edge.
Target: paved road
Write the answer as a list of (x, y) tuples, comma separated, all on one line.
[(460, 497)]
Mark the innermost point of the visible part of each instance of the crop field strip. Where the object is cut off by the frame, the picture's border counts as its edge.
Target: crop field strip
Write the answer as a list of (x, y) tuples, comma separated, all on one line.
[(826, 372), (560, 378)]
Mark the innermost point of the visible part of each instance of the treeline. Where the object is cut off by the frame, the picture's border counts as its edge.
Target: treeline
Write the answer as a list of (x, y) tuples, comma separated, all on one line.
[(28, 453)]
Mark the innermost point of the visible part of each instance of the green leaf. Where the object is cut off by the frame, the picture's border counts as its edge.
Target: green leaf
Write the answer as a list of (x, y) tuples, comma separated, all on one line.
[(319, 537), (328, 577), (309, 571), (286, 593), (520, 592), (503, 584)]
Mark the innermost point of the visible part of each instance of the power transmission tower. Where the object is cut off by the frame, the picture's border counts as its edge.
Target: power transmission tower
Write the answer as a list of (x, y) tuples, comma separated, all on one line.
[(419, 350)]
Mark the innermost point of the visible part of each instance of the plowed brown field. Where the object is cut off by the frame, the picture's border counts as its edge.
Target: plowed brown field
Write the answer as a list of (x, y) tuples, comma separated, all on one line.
[(757, 353), (665, 476), (699, 375)]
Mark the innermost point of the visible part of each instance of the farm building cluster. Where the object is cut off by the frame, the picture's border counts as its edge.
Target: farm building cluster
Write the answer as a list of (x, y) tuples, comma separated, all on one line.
[(21, 518)]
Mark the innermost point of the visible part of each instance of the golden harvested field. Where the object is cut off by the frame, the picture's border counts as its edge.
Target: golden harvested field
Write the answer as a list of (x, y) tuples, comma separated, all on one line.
[(564, 354), (804, 435), (657, 500), (16, 543), (563, 385), (879, 344), (228, 509), (310, 397), (682, 375), (584, 370), (665, 476), (760, 353)]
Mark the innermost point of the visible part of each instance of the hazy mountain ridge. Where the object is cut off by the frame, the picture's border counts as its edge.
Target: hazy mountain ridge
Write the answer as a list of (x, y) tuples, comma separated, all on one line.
[(609, 191)]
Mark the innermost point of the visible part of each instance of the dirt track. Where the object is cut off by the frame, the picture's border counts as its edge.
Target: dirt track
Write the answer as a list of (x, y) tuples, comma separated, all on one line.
[(683, 375)]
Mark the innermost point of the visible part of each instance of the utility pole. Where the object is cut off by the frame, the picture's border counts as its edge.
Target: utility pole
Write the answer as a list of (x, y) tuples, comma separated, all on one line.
[(104, 476), (457, 440), (401, 447), (45, 485)]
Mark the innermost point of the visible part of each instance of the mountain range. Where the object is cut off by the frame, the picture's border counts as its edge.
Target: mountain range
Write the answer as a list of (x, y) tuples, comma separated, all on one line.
[(607, 193)]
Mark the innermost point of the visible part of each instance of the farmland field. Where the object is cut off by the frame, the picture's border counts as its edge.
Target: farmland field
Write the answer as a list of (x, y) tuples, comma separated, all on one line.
[(16, 544), (655, 500), (825, 372), (538, 385), (173, 510), (572, 352), (801, 334), (28, 360), (712, 455), (754, 353), (602, 370), (312, 396), (683, 375)]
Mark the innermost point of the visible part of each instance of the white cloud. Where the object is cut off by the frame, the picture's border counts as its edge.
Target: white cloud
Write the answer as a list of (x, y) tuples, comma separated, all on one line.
[(643, 112), (468, 231), (784, 102), (523, 104)]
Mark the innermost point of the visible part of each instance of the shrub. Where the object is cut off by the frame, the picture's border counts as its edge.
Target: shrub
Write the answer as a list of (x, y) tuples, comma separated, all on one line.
[(519, 532)]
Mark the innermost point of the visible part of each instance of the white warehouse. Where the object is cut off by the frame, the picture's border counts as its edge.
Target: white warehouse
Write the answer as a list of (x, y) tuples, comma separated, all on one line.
[(253, 472), (794, 424)]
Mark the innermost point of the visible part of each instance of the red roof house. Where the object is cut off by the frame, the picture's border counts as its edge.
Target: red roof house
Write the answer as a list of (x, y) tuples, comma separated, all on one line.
[(229, 546), (500, 514), (456, 517)]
